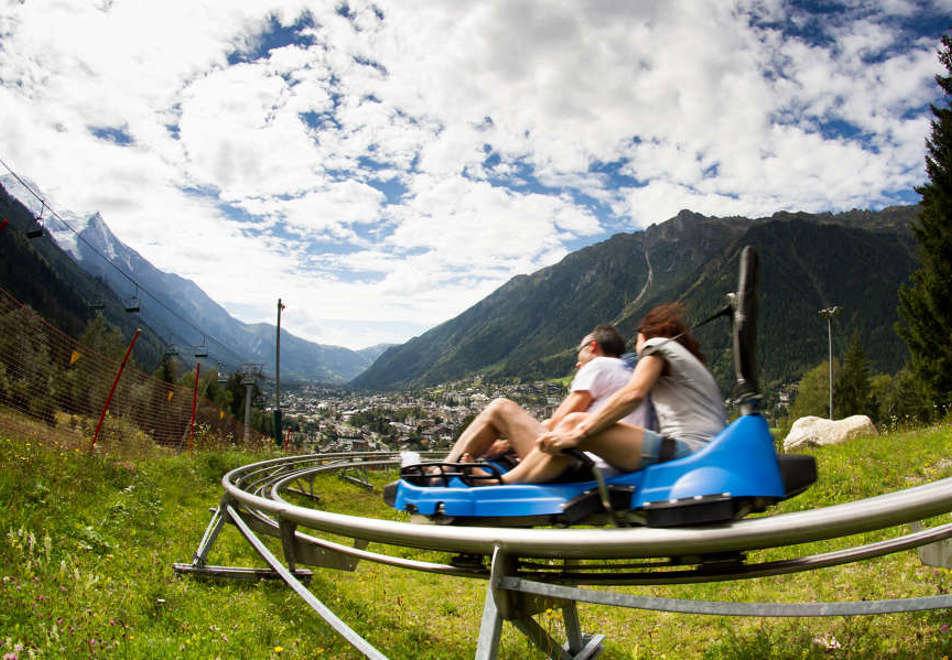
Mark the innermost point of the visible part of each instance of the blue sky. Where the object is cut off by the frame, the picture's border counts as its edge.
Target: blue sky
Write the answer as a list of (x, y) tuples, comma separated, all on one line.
[(383, 166)]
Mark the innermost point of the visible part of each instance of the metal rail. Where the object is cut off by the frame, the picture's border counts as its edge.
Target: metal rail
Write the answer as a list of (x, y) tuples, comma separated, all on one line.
[(342, 628), (522, 579), (865, 515)]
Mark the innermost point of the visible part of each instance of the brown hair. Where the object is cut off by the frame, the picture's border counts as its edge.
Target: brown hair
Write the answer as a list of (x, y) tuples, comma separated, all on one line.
[(668, 321), (608, 337)]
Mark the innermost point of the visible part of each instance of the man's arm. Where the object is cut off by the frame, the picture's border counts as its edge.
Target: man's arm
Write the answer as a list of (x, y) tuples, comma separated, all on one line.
[(577, 401)]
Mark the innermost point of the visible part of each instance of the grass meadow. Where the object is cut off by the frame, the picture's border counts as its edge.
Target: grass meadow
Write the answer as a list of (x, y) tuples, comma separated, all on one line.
[(87, 543)]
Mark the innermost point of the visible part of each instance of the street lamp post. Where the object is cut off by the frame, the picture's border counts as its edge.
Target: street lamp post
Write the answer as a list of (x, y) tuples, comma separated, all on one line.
[(277, 379), (828, 313)]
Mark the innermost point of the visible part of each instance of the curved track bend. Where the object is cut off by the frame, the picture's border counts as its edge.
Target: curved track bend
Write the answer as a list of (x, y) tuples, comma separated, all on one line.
[(521, 558)]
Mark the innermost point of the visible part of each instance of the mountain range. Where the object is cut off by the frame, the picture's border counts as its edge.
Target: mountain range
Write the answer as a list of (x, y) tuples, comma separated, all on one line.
[(179, 313), (528, 328)]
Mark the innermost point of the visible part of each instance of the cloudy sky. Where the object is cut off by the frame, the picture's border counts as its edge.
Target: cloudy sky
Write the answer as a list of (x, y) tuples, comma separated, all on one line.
[(383, 166)]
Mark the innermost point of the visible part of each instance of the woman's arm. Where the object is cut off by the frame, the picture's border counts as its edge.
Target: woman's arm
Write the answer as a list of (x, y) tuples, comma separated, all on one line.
[(577, 401), (619, 404)]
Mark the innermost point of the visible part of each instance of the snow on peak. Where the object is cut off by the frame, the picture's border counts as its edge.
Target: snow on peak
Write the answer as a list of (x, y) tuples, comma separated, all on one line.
[(62, 227), (22, 193)]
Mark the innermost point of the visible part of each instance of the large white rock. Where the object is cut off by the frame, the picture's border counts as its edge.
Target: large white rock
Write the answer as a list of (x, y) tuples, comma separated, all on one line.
[(816, 431)]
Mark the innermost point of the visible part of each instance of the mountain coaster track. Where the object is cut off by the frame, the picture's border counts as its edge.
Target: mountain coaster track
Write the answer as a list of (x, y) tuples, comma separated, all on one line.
[(522, 578)]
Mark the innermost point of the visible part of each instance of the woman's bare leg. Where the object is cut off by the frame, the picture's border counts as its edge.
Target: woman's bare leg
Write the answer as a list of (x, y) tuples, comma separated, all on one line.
[(536, 467), (620, 444)]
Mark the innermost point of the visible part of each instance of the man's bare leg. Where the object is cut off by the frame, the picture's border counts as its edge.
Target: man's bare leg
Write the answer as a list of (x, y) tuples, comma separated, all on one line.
[(501, 418)]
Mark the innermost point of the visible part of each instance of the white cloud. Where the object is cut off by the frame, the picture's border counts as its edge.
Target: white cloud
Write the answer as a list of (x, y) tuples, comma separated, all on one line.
[(704, 107), (328, 210), (477, 225)]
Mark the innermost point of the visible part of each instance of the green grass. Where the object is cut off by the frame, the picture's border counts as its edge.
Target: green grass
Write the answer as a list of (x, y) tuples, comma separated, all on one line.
[(88, 543)]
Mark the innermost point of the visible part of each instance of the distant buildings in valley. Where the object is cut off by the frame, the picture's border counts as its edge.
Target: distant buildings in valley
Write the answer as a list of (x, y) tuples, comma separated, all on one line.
[(328, 419)]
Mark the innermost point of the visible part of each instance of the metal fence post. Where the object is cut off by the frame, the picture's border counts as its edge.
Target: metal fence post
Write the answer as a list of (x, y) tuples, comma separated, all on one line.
[(112, 390), (191, 424)]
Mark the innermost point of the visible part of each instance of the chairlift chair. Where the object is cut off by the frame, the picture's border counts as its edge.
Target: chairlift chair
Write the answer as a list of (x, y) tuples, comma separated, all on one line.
[(37, 231), (132, 304), (201, 351)]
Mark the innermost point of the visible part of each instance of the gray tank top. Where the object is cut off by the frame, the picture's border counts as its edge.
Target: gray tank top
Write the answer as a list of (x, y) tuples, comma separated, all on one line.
[(687, 399)]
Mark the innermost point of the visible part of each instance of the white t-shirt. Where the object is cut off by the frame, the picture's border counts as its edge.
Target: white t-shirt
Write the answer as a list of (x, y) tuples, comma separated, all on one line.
[(603, 376)]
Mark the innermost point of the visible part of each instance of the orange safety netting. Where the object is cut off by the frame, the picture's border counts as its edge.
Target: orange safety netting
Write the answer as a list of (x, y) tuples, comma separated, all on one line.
[(50, 376)]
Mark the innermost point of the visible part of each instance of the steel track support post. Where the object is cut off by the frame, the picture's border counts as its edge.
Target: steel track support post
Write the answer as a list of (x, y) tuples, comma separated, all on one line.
[(573, 630), (199, 567), (580, 646), (208, 539), (490, 628), (938, 554), (528, 626), (499, 606), (287, 541), (502, 565), (518, 608), (357, 475)]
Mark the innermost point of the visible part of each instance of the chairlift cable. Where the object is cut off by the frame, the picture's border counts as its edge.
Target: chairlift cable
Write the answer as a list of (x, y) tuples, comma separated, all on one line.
[(53, 213)]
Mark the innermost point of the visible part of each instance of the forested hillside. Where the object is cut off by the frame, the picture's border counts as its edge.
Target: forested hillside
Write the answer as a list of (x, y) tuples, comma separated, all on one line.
[(529, 326)]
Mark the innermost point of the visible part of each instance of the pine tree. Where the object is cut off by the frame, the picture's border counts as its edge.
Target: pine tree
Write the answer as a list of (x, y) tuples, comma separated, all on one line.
[(104, 338), (926, 305), (852, 385), (169, 369)]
